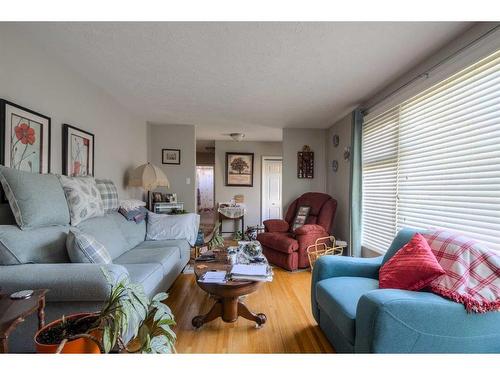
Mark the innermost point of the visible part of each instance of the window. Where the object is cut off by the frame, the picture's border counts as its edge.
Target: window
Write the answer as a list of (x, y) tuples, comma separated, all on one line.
[(434, 160)]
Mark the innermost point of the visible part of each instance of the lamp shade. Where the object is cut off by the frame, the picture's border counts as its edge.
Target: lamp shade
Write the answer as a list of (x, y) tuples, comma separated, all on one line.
[(149, 177)]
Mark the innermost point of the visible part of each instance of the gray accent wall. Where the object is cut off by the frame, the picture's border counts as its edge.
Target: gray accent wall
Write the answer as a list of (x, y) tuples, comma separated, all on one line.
[(181, 177), (253, 194), (293, 141), (338, 183), (34, 79)]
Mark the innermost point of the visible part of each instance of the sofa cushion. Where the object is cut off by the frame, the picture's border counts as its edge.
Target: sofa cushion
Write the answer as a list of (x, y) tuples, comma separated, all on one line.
[(40, 245), (106, 231), (181, 245), (338, 297), (36, 200), (84, 248), (134, 233), (84, 199), (282, 242), (167, 257), (149, 275), (172, 227), (109, 194)]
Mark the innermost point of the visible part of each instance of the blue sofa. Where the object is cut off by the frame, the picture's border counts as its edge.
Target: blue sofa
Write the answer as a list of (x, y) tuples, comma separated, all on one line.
[(358, 317)]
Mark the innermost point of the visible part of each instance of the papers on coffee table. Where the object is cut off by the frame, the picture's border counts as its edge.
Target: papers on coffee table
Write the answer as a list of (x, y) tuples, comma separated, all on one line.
[(251, 272), (217, 277)]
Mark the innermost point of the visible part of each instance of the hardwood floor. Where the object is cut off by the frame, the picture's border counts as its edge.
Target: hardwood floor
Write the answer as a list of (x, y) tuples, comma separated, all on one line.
[(290, 327)]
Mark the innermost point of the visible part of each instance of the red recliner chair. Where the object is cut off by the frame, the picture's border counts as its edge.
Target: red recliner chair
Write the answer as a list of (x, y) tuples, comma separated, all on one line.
[(287, 248)]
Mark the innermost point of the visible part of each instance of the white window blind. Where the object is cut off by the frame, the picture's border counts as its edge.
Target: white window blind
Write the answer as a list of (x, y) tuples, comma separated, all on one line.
[(435, 160)]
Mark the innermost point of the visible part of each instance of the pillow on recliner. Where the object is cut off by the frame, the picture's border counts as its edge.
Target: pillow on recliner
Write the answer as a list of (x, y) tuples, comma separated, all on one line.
[(36, 200), (413, 267)]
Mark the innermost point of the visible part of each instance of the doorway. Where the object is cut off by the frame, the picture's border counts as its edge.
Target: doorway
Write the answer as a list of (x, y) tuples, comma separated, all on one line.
[(271, 187), (205, 196)]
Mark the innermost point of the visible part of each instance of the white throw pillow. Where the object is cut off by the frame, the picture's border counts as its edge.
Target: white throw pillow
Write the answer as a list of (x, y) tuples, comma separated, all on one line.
[(83, 197), (172, 227)]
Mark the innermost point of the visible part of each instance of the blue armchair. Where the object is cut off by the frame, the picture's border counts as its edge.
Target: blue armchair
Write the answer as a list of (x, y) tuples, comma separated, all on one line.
[(358, 317)]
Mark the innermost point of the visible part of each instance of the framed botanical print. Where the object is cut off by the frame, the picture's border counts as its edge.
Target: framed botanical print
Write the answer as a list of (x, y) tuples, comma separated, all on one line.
[(25, 138), (78, 151), (170, 156), (239, 169)]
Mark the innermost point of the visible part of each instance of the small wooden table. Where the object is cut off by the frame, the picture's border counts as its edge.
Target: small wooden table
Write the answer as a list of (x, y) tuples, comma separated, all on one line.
[(228, 303), (14, 311)]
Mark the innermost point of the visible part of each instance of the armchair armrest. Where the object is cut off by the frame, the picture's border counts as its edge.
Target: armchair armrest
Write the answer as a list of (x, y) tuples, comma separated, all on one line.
[(276, 225), (330, 266), (65, 281), (400, 321)]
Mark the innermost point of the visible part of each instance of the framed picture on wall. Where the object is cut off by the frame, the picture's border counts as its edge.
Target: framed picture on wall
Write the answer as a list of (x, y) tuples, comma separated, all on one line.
[(25, 138), (239, 169), (170, 156), (77, 151)]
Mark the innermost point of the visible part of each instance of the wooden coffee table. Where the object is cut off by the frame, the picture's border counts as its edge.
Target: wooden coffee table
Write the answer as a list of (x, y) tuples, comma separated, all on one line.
[(13, 312), (228, 303)]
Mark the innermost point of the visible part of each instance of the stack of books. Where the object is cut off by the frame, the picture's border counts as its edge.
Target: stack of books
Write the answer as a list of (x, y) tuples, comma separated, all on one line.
[(251, 272)]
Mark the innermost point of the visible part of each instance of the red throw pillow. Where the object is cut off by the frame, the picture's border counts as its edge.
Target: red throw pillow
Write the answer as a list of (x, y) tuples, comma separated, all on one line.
[(413, 267)]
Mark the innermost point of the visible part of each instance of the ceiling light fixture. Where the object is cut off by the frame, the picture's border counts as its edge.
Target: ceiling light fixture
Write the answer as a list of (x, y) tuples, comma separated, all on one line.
[(237, 136)]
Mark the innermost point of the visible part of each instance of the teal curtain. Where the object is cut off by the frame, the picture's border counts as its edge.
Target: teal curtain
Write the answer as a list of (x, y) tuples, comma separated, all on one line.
[(355, 189)]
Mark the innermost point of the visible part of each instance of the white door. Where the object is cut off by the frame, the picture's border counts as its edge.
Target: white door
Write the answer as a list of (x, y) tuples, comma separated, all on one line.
[(271, 188)]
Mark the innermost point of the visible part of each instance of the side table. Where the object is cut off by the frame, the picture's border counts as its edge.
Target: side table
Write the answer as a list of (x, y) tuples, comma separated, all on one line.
[(14, 311)]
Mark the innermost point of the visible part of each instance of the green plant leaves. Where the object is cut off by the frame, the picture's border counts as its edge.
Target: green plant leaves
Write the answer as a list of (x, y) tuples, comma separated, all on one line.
[(128, 307)]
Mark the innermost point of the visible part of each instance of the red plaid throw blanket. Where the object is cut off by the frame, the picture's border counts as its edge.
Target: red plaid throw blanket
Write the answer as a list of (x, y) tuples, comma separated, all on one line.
[(472, 271)]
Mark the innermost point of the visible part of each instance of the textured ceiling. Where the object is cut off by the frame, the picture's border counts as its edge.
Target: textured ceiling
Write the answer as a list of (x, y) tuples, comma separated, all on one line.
[(255, 78)]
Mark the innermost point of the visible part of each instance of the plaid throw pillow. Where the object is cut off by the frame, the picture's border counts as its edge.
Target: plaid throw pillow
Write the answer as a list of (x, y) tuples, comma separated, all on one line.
[(84, 248), (109, 195)]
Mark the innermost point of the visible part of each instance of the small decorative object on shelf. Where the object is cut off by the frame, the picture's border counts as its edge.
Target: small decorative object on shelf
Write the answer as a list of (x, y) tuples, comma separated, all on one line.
[(305, 163), (324, 246), (168, 208)]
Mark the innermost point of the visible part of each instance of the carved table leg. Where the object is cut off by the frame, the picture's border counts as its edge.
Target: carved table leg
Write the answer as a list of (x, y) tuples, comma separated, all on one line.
[(4, 348), (214, 313), (243, 311), (41, 313)]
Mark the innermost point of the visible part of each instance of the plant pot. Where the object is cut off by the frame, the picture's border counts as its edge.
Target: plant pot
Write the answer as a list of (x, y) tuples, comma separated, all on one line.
[(79, 346)]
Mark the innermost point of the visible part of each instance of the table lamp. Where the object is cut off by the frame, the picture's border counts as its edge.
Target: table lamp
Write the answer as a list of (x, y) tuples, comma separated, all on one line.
[(149, 177)]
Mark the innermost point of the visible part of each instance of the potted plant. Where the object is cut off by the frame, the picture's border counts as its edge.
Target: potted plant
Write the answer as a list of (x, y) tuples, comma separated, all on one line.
[(217, 240), (127, 310)]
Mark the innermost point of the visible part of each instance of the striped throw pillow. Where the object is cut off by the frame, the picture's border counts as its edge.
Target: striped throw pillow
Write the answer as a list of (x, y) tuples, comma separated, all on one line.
[(84, 248), (109, 194)]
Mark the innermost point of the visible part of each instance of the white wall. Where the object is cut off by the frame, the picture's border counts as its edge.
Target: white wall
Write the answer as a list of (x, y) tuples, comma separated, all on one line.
[(293, 141), (31, 78), (338, 183), (252, 195), (182, 177)]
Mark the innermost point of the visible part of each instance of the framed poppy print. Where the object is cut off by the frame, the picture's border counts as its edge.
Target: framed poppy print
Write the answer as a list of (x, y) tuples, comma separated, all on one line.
[(78, 152), (25, 138)]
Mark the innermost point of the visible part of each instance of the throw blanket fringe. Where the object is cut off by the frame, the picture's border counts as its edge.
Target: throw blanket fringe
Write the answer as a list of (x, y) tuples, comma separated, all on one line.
[(471, 305)]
